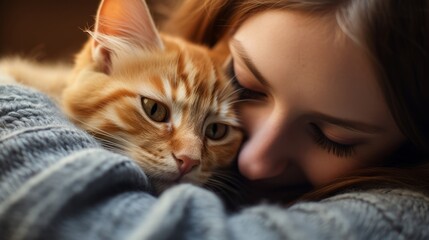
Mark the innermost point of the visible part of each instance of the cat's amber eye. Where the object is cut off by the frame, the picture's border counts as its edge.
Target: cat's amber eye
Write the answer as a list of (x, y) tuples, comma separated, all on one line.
[(216, 131), (155, 110)]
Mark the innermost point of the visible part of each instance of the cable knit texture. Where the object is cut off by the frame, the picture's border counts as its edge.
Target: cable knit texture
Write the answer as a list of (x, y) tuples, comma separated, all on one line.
[(56, 182)]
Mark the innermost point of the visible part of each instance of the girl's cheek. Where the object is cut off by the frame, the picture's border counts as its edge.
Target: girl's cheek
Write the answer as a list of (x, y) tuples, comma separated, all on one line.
[(251, 117)]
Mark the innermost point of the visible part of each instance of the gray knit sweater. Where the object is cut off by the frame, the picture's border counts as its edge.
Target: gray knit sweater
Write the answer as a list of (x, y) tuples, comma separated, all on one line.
[(56, 182)]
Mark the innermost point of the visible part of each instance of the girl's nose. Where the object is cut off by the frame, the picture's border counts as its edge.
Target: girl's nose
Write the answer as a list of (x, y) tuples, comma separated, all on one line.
[(264, 155)]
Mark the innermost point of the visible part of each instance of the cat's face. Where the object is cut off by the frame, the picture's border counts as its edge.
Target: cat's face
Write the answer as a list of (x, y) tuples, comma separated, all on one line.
[(172, 111)]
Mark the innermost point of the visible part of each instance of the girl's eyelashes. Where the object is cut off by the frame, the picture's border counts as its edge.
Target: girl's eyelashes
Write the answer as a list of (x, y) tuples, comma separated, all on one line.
[(338, 149), (245, 93)]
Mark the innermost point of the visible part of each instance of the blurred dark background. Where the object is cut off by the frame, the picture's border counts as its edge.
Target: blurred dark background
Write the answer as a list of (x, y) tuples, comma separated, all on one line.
[(44, 29), (53, 29)]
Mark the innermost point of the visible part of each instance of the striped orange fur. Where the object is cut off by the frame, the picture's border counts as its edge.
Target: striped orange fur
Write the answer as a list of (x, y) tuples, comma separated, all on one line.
[(128, 65), (183, 77)]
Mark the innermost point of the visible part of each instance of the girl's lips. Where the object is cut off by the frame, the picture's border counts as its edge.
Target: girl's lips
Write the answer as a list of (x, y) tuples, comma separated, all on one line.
[(277, 183), (270, 191), (292, 176)]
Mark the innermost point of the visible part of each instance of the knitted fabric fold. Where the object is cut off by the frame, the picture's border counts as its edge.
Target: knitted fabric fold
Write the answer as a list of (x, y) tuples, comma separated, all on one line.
[(57, 182)]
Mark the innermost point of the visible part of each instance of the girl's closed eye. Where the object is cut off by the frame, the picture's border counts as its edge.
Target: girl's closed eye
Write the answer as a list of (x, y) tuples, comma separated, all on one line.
[(245, 93), (338, 149)]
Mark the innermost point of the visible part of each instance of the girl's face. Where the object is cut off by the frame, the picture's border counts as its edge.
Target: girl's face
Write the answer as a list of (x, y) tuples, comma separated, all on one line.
[(314, 109)]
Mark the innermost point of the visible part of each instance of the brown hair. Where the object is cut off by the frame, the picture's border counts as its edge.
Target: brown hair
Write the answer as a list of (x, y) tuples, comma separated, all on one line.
[(396, 36)]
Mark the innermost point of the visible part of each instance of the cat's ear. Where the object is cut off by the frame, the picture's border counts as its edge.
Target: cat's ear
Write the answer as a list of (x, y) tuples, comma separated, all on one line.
[(121, 27), (220, 53)]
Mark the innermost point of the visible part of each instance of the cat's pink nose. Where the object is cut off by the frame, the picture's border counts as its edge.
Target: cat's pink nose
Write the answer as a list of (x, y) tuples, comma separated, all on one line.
[(186, 164)]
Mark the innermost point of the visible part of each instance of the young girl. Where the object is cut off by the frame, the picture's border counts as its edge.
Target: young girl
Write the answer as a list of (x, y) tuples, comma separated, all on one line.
[(333, 86), (333, 98)]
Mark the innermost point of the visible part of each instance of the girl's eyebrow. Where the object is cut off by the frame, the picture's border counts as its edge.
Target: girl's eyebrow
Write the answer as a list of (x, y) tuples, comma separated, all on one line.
[(242, 53), (344, 123)]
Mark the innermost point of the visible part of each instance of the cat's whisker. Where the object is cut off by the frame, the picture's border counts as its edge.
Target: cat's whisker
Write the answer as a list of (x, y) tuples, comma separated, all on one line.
[(228, 85), (105, 136), (143, 153), (119, 144), (110, 107), (231, 195), (226, 171), (227, 175), (91, 127), (121, 141), (116, 150), (125, 143), (108, 139), (226, 178), (230, 181), (112, 146), (220, 184), (232, 95), (219, 190), (230, 82), (107, 143)]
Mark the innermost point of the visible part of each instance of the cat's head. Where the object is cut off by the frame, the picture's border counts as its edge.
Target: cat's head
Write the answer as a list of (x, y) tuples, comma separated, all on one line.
[(162, 101)]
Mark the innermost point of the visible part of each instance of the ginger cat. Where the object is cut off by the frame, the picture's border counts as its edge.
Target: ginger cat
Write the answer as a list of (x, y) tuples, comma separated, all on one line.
[(162, 101)]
